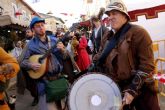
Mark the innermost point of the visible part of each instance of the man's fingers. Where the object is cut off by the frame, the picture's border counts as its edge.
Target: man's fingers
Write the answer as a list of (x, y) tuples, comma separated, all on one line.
[(61, 46), (128, 98), (35, 66)]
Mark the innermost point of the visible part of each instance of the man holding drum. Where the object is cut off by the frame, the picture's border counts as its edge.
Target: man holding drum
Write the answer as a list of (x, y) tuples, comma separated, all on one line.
[(127, 56)]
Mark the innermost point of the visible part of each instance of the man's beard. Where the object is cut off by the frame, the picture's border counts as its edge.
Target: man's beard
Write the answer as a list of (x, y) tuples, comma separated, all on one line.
[(29, 37), (41, 34)]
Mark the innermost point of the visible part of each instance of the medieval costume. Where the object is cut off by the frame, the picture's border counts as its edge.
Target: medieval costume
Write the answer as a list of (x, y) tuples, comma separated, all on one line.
[(8, 69), (127, 57)]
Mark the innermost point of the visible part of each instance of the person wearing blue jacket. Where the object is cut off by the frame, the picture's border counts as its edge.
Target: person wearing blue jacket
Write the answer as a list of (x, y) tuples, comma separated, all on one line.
[(39, 45)]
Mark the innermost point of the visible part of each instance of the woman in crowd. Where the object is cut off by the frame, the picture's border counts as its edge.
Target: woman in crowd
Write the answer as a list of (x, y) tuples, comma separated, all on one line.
[(82, 60)]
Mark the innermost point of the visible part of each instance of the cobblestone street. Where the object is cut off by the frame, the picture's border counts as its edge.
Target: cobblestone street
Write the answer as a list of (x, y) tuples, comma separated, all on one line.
[(23, 101)]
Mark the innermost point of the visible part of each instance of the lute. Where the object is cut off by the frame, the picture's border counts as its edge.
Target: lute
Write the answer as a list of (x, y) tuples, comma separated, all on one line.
[(42, 59)]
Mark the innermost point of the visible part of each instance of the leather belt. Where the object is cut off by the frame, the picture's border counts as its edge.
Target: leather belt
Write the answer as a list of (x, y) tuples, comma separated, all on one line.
[(50, 78)]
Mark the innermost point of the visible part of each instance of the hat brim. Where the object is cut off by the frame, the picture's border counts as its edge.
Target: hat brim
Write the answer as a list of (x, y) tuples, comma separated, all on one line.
[(112, 8), (40, 21), (43, 21)]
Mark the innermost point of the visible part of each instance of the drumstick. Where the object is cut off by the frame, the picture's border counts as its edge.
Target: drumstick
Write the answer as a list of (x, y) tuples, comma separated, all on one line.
[(74, 62), (123, 104)]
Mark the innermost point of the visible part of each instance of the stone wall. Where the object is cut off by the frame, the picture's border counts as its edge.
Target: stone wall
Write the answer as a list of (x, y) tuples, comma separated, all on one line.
[(24, 13)]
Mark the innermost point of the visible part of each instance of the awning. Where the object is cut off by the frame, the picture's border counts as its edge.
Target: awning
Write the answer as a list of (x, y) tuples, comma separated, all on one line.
[(5, 20), (8, 20)]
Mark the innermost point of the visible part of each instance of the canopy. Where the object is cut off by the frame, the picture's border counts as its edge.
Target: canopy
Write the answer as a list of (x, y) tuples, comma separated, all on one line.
[(7, 20)]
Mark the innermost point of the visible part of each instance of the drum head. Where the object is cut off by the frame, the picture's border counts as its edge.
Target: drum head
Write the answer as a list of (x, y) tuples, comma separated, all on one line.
[(94, 92)]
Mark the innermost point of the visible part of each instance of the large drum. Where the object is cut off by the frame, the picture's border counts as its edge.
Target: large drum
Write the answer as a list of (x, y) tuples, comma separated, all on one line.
[(94, 91)]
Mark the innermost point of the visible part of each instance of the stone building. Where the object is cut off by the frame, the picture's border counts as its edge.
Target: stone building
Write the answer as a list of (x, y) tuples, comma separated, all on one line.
[(15, 16), (52, 22)]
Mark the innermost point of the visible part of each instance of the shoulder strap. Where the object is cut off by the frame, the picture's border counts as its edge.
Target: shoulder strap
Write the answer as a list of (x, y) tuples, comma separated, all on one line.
[(113, 42), (49, 42)]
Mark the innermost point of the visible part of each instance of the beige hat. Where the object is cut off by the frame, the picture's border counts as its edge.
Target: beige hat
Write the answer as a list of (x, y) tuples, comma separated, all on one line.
[(117, 5)]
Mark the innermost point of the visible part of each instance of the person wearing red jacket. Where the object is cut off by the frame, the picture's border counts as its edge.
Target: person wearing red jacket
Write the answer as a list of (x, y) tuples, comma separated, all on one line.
[(83, 60)]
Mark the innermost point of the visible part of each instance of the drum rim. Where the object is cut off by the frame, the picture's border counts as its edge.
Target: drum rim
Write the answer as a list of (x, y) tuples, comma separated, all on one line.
[(88, 73)]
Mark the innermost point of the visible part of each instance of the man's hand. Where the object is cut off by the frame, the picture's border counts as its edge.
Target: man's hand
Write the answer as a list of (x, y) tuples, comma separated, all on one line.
[(60, 46), (35, 66), (6, 69), (71, 34), (128, 98)]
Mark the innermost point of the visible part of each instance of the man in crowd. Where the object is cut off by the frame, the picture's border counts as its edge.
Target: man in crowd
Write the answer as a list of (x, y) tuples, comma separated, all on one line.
[(59, 33), (97, 34), (16, 52), (23, 79), (29, 34), (30, 83), (39, 45), (8, 69), (127, 57)]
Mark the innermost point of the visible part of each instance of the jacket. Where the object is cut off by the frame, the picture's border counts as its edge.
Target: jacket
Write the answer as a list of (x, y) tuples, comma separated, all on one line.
[(83, 60), (96, 40), (35, 46), (134, 52), (131, 60)]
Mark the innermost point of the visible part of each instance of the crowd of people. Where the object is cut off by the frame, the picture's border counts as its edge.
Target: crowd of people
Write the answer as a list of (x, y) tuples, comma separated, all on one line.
[(124, 53)]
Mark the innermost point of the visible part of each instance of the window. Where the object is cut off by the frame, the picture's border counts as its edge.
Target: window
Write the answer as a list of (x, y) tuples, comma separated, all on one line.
[(29, 17), (24, 17), (14, 6)]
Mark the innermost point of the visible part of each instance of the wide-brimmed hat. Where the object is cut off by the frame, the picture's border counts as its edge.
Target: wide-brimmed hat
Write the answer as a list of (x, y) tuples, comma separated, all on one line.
[(117, 5)]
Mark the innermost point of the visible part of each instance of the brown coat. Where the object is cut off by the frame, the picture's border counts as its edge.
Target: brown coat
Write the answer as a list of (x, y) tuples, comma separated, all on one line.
[(134, 52)]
